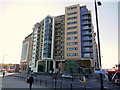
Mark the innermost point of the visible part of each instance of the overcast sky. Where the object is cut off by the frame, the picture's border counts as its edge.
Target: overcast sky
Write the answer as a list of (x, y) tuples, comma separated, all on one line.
[(17, 18)]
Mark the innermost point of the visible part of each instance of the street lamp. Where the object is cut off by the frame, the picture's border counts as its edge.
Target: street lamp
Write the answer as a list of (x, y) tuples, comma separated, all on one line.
[(99, 53)]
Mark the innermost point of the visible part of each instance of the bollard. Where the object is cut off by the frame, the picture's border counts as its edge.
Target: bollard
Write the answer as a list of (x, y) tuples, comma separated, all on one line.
[(85, 87), (52, 83), (36, 80), (46, 83), (101, 82), (60, 85), (71, 86), (40, 82), (55, 83)]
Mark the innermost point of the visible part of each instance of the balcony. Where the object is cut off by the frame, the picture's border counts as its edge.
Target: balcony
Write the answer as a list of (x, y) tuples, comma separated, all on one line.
[(89, 44), (86, 28), (87, 39), (57, 48), (57, 39), (57, 22), (86, 23), (57, 30), (57, 35), (88, 55), (57, 26), (86, 33), (86, 18), (89, 50)]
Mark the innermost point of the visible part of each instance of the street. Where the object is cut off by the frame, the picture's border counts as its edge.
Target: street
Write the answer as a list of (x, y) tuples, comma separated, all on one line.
[(45, 82)]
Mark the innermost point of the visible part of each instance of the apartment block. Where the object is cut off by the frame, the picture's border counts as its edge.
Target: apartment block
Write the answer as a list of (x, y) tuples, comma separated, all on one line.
[(26, 54), (57, 39), (72, 33)]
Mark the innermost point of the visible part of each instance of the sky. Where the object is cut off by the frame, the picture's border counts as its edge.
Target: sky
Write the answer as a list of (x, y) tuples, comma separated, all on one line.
[(17, 18)]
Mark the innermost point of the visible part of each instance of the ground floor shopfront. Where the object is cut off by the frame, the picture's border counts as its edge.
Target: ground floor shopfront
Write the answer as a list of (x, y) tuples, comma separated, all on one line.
[(61, 66)]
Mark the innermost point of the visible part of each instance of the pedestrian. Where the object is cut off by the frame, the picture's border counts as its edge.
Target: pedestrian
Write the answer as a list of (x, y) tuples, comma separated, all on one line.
[(3, 73), (30, 81)]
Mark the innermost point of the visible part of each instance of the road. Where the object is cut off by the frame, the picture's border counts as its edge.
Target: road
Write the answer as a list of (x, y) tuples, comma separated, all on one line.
[(16, 82)]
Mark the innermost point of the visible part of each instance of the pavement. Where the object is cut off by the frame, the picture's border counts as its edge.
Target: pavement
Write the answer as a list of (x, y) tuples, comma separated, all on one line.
[(10, 82)]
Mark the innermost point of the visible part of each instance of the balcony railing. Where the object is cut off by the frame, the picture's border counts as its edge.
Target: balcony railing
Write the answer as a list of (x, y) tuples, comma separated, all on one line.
[(86, 18), (85, 23), (57, 35), (89, 50), (87, 38), (90, 44), (84, 28), (87, 33)]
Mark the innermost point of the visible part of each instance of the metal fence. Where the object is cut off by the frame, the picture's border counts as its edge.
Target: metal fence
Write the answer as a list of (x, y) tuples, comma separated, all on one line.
[(57, 84)]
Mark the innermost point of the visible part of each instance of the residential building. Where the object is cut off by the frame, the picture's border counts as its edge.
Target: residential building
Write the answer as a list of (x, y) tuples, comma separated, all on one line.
[(80, 40), (26, 54), (57, 39)]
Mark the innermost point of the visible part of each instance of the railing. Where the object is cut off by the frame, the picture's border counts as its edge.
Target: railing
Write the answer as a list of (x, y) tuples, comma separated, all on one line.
[(59, 84), (53, 83), (87, 38), (89, 44), (87, 33)]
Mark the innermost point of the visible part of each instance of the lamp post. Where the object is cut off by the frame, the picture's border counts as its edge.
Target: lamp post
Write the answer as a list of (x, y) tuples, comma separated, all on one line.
[(99, 53)]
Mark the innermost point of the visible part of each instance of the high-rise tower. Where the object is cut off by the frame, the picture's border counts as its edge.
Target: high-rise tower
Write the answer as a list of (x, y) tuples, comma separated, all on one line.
[(64, 37)]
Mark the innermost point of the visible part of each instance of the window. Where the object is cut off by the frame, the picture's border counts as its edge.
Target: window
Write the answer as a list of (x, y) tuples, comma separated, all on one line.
[(62, 38), (69, 23), (35, 31), (86, 32), (62, 47), (86, 17), (72, 54), (70, 49), (86, 27), (70, 28), (75, 32), (72, 38), (87, 38), (72, 18), (87, 43), (61, 56), (71, 8), (87, 49), (62, 42), (86, 54), (72, 13), (72, 43)]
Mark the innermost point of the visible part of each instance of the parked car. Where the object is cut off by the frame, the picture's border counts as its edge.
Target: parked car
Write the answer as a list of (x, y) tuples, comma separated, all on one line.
[(116, 78), (67, 75)]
